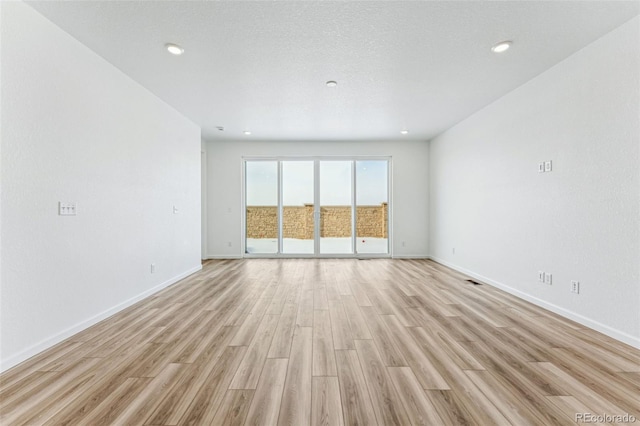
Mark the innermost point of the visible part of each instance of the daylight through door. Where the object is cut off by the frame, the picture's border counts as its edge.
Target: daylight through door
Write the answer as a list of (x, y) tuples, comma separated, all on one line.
[(317, 207)]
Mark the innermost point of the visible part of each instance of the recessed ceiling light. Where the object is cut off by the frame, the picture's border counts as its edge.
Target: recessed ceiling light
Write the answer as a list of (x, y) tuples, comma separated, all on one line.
[(332, 83), (174, 49), (404, 132), (501, 47), (247, 132)]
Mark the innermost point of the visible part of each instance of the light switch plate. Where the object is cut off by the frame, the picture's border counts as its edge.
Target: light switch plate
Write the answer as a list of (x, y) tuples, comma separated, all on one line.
[(67, 209), (547, 166), (575, 287), (541, 167)]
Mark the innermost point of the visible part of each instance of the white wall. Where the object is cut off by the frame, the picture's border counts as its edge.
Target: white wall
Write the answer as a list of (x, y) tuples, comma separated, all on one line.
[(203, 198), (579, 222), (74, 128), (410, 200)]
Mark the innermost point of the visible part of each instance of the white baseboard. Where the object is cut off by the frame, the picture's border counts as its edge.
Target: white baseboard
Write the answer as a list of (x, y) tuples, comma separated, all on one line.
[(59, 337), (407, 256), (588, 322)]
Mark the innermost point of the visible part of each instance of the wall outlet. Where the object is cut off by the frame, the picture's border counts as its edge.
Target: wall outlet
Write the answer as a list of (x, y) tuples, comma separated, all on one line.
[(548, 278), (66, 209), (547, 166), (175, 210), (575, 287), (541, 276), (153, 268)]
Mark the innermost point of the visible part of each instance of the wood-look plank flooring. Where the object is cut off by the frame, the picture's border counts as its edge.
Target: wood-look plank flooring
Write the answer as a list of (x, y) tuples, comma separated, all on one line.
[(326, 342)]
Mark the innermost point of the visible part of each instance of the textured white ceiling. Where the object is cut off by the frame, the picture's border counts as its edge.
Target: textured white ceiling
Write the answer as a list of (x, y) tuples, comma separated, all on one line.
[(262, 66)]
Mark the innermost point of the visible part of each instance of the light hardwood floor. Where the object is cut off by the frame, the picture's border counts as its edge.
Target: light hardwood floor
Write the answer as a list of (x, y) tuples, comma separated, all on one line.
[(326, 342)]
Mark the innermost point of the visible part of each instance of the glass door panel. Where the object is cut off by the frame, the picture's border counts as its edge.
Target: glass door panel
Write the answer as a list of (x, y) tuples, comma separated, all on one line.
[(336, 210), (298, 222), (372, 207), (261, 179), (317, 207)]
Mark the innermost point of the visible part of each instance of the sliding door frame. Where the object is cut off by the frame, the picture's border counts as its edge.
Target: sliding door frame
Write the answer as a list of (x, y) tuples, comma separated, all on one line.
[(316, 214)]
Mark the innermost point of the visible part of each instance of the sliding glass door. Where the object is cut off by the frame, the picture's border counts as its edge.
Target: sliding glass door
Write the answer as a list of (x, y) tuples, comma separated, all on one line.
[(316, 207), (372, 207), (336, 207), (298, 220), (261, 207)]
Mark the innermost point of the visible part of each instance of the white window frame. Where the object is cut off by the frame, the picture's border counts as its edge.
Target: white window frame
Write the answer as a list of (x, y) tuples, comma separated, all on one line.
[(316, 161)]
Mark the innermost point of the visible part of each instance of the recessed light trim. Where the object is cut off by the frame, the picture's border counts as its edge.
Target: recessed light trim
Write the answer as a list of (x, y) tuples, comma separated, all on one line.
[(332, 83), (174, 49), (503, 46), (247, 132), (404, 132)]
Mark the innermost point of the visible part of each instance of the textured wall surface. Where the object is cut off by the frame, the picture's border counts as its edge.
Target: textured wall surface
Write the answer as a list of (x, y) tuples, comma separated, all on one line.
[(579, 222), (297, 222), (75, 129)]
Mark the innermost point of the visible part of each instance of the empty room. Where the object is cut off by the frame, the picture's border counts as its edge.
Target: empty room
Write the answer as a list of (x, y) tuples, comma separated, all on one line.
[(319, 212)]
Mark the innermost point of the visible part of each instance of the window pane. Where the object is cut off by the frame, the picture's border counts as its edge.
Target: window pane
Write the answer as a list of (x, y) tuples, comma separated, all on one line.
[(335, 207), (297, 207), (372, 207), (262, 206)]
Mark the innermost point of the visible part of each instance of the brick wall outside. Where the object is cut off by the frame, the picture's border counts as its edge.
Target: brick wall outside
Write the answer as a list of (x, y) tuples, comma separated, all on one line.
[(262, 221)]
